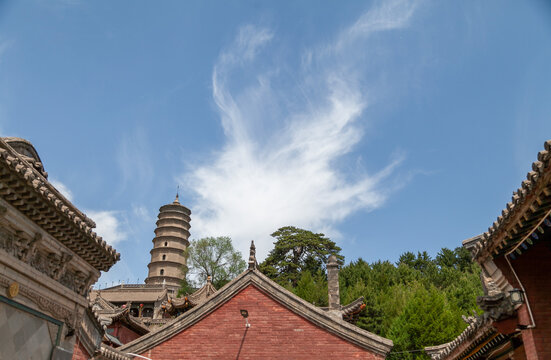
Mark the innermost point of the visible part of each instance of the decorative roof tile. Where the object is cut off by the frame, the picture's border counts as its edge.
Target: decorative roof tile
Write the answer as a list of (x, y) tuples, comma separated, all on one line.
[(106, 313), (480, 327), (32, 185), (529, 202), (107, 352)]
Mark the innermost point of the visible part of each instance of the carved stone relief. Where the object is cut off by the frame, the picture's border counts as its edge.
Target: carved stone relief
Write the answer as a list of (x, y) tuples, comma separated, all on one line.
[(58, 311), (7, 242), (54, 265), (40, 262), (496, 276), (29, 248)]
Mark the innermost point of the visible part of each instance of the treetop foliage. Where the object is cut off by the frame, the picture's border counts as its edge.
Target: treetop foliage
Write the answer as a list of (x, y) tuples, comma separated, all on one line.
[(214, 257), (297, 251), (417, 301)]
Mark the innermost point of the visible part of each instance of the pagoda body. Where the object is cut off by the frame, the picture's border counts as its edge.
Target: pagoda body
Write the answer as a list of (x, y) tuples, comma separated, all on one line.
[(169, 244)]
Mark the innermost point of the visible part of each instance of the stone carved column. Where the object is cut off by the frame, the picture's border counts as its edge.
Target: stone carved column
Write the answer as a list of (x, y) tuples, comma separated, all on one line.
[(333, 283)]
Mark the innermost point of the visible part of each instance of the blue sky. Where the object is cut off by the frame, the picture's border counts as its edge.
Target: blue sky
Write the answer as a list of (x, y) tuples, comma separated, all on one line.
[(391, 126)]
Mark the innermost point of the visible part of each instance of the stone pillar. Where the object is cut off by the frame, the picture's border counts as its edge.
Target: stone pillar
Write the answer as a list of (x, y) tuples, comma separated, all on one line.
[(333, 283)]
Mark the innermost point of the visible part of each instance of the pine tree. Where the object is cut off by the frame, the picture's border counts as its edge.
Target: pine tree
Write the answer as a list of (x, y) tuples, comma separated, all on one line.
[(295, 251), (312, 288), (428, 319)]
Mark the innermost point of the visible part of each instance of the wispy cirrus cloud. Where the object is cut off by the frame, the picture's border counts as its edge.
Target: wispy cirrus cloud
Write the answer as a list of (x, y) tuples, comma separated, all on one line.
[(287, 132), (134, 160), (388, 15)]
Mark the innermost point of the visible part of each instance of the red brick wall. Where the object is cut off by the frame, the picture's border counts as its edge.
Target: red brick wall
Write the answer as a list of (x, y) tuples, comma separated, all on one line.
[(532, 267), (124, 334), (79, 352), (275, 332)]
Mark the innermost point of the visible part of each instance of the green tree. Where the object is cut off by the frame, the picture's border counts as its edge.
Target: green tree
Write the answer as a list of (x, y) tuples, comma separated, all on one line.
[(422, 262), (428, 319), (312, 288), (417, 302), (371, 318), (446, 258), (214, 257), (464, 291), (392, 303), (354, 272), (185, 285), (296, 251), (465, 260), (387, 288)]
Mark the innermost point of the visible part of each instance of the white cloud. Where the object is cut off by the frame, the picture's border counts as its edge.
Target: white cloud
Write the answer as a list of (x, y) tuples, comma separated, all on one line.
[(389, 15), (108, 226), (62, 188), (141, 212), (289, 174)]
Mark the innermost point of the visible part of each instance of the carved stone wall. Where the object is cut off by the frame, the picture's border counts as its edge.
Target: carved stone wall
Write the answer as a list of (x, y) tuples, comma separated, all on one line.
[(50, 278), (51, 264), (46, 304)]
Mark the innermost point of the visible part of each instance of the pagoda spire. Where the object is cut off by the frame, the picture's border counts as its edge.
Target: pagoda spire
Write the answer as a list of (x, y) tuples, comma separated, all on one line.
[(169, 244), (176, 200)]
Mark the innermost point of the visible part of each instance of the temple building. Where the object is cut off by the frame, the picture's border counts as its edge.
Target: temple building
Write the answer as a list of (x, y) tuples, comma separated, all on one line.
[(49, 258), (119, 325), (514, 255), (146, 303), (252, 317)]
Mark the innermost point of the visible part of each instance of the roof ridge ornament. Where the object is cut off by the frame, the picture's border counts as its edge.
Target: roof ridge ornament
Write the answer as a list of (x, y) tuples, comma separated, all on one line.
[(252, 257), (489, 286), (177, 201)]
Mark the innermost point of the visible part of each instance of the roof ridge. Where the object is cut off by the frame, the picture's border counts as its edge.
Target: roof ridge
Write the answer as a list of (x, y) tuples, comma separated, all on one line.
[(541, 168), (438, 352), (313, 314)]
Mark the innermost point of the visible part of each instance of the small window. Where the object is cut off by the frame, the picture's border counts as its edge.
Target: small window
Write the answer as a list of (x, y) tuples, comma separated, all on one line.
[(162, 271), (164, 257), (166, 243), (147, 312)]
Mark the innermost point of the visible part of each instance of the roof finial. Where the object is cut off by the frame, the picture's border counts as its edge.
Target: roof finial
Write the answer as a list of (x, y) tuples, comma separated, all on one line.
[(176, 201), (252, 257)]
